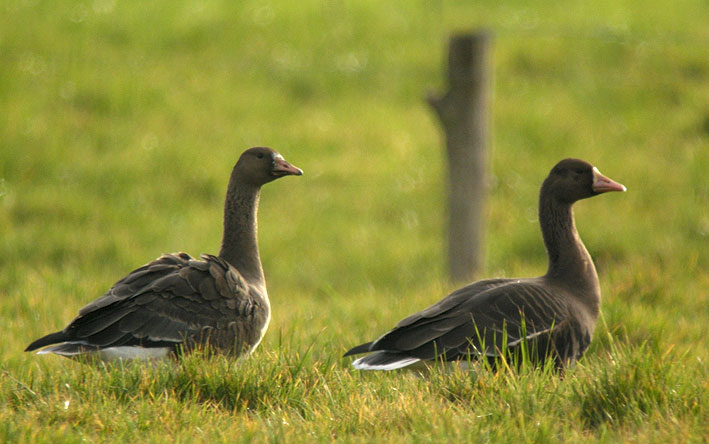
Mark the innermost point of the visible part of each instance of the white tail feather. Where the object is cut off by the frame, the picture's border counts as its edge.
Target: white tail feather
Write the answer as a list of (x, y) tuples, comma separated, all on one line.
[(111, 353), (359, 364)]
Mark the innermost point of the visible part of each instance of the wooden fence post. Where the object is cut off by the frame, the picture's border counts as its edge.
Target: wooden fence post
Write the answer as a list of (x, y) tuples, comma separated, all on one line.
[(463, 112)]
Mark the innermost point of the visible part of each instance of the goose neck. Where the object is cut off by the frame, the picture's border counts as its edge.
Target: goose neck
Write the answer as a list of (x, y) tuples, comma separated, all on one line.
[(240, 238), (569, 260)]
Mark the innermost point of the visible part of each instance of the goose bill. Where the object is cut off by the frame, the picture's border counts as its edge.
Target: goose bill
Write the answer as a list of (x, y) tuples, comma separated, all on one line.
[(602, 184), (282, 168)]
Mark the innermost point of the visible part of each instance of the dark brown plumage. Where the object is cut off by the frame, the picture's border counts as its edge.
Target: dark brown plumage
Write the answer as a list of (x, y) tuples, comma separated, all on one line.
[(554, 314), (178, 301)]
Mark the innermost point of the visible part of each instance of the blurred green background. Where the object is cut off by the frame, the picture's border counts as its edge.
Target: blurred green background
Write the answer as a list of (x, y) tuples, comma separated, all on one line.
[(121, 121)]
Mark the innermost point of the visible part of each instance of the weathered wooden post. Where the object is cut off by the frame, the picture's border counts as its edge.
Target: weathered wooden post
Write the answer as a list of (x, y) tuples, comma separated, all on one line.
[(463, 112)]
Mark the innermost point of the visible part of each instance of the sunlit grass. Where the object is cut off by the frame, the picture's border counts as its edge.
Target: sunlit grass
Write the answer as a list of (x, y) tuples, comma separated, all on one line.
[(122, 120)]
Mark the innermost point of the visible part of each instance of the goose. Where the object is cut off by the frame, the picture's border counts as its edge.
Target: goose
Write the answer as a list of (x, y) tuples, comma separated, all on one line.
[(554, 315), (177, 302)]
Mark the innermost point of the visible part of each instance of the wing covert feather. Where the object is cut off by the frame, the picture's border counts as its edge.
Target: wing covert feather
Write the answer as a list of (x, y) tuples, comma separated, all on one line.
[(466, 319), (172, 299)]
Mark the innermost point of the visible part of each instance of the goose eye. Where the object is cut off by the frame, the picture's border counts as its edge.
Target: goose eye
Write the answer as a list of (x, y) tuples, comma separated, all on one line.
[(260, 155)]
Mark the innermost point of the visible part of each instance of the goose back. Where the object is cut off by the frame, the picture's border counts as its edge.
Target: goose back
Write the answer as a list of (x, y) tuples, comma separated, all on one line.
[(174, 301), (486, 319)]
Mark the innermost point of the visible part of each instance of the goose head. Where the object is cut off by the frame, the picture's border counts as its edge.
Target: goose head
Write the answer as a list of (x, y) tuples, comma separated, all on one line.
[(574, 179), (260, 165)]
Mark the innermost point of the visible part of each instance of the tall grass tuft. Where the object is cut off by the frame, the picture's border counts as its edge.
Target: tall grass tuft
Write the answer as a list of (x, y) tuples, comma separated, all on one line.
[(635, 384)]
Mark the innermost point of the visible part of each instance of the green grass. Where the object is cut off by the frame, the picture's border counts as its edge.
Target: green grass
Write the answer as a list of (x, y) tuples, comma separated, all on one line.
[(122, 120)]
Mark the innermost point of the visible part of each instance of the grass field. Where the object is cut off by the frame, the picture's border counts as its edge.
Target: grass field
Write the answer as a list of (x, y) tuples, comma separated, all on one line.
[(122, 120)]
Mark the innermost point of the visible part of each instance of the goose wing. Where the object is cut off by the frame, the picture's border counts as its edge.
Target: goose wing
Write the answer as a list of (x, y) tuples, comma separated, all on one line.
[(480, 319), (161, 304)]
